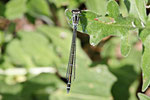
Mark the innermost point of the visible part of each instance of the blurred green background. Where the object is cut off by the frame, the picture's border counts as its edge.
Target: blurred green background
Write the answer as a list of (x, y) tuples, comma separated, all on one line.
[(35, 41)]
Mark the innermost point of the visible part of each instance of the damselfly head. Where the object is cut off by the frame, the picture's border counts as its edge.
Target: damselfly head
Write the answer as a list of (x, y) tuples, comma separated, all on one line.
[(76, 11)]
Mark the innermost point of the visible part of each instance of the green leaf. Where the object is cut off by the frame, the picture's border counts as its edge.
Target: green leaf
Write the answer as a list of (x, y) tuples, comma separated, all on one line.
[(98, 28), (38, 48), (2, 9), (138, 9), (145, 37), (98, 6), (60, 3), (126, 76), (21, 58), (133, 89), (92, 84), (126, 69), (61, 18), (10, 89), (34, 8), (74, 4), (124, 7), (11, 97), (146, 64), (125, 45), (15, 9), (45, 83), (6, 63), (127, 82), (1, 38), (146, 1), (46, 79), (113, 9), (143, 96), (33, 50), (39, 9), (11, 28), (71, 4), (63, 37)]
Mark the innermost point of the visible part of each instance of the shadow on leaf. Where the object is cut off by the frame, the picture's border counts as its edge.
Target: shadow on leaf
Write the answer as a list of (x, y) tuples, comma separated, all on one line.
[(126, 76)]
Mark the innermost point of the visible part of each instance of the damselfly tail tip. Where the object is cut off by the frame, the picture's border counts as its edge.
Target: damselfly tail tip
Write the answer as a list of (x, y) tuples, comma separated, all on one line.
[(68, 87), (68, 90)]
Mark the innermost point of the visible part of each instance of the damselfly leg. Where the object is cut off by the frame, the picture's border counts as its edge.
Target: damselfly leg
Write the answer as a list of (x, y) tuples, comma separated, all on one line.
[(72, 57)]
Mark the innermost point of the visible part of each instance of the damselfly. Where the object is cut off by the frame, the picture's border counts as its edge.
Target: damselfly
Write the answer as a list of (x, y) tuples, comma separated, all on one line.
[(72, 57)]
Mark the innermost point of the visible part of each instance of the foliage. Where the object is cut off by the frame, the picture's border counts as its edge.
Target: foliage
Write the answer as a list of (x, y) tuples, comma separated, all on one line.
[(143, 97), (92, 24), (36, 34)]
